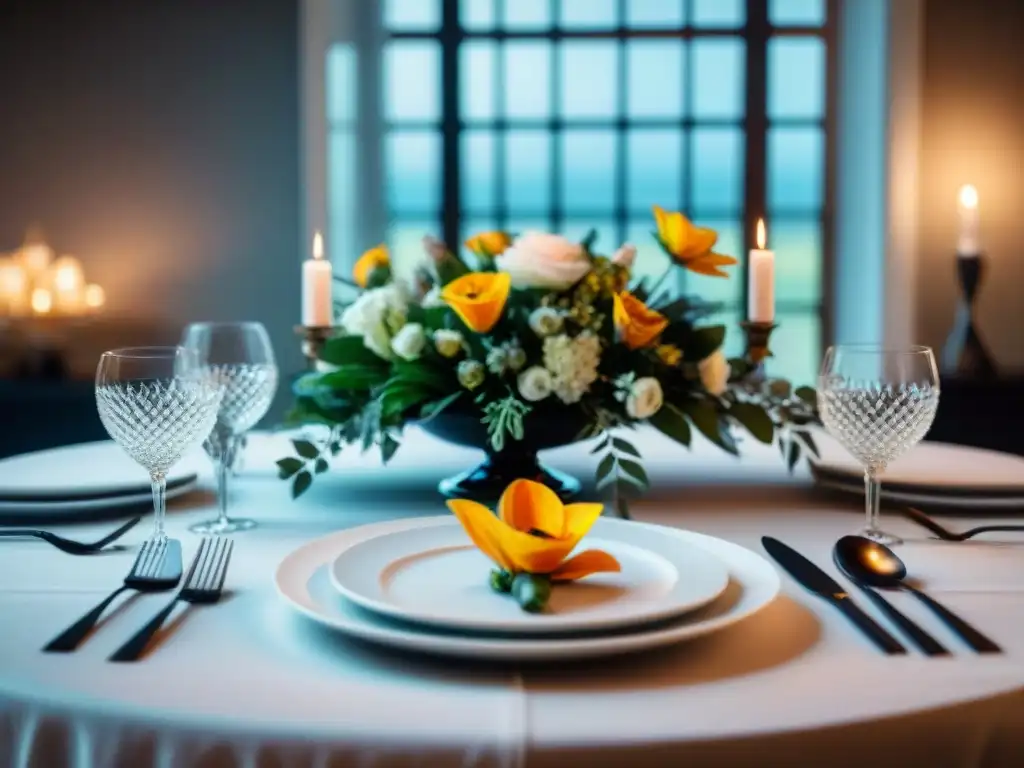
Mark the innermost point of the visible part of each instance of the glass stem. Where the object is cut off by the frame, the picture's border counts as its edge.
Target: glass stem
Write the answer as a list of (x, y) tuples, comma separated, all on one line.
[(872, 497), (224, 466), (159, 482)]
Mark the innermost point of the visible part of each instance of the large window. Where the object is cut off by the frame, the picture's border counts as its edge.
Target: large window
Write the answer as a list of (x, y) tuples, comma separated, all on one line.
[(564, 115)]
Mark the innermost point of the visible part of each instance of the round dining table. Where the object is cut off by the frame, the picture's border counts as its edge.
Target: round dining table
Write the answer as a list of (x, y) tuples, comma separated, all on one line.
[(250, 682)]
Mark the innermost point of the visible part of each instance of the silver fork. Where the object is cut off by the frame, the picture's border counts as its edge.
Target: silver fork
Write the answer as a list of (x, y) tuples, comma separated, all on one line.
[(157, 568), (204, 584)]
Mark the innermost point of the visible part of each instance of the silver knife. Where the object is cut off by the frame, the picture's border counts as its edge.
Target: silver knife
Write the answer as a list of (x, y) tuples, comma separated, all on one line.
[(824, 586)]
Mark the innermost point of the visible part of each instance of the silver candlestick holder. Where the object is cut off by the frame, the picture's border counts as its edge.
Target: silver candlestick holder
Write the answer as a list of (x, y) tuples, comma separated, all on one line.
[(313, 339), (757, 349)]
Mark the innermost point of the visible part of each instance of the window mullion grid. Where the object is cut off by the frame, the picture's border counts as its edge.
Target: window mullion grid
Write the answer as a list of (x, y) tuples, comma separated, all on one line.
[(621, 125), (557, 128), (500, 131), (755, 157), (686, 131), (451, 207)]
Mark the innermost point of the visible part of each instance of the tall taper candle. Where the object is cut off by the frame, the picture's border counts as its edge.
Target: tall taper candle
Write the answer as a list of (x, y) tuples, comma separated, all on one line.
[(761, 299), (317, 302), (967, 240)]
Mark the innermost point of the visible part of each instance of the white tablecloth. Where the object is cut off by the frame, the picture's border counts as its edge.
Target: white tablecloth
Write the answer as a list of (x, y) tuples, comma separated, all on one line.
[(249, 683)]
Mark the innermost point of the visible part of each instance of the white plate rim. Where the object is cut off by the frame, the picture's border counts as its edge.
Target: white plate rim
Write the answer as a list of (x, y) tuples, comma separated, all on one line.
[(294, 566), (555, 626), (939, 500)]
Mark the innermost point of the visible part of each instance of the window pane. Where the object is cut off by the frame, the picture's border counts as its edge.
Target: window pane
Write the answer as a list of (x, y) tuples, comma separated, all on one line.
[(589, 14), (419, 15), (796, 158), (797, 246), (796, 13), (589, 82), (588, 170), (412, 77), (654, 78), (734, 338), (341, 196), (796, 77), (527, 79), (527, 14), (477, 172), (658, 14), (412, 163), (654, 169), (341, 84), (405, 239), (718, 78), (717, 157), (727, 290), (477, 71), (719, 13), (528, 171), (476, 14), (651, 261), (607, 234), (796, 344)]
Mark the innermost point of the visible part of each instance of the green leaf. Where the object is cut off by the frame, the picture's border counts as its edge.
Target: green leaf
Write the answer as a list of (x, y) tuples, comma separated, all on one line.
[(306, 449), (421, 373), (601, 446), (388, 446), (636, 470), (430, 410), (705, 418), (301, 483), (394, 401), (356, 376), (335, 447), (606, 466), (671, 422), (449, 268), (755, 419), (622, 507), (288, 467), (531, 591), (794, 454), (349, 350), (435, 317), (703, 342), (624, 446), (501, 581), (588, 240), (808, 440), (379, 277), (321, 466), (808, 395)]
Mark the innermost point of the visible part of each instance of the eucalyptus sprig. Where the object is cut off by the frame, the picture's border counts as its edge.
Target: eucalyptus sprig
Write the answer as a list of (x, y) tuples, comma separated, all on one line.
[(620, 471), (504, 417)]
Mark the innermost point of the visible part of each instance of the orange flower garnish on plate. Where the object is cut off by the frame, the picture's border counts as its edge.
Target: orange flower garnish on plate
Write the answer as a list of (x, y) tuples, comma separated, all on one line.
[(690, 246), (533, 534), (369, 261), (637, 324), (478, 298), (489, 244)]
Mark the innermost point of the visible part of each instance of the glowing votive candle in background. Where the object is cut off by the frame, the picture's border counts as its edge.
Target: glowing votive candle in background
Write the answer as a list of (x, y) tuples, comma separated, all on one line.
[(68, 285), (42, 301), (36, 258), (13, 287), (761, 299), (95, 297), (317, 300), (967, 240)]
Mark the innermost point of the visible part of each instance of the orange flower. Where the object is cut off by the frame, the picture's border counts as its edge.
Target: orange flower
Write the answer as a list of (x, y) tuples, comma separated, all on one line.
[(489, 244), (690, 246), (478, 298), (535, 532), (369, 261), (638, 326)]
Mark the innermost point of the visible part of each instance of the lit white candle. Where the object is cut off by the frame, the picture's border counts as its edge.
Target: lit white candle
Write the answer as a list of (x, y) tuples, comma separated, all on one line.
[(317, 302), (761, 299), (967, 241), (68, 285)]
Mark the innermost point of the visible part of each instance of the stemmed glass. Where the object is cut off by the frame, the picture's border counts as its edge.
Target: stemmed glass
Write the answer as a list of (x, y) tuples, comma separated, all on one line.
[(878, 403), (238, 356), (156, 403)]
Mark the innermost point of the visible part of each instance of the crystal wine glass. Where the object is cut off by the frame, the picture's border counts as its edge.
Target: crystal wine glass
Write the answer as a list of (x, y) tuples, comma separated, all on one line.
[(238, 356), (878, 403), (156, 403)]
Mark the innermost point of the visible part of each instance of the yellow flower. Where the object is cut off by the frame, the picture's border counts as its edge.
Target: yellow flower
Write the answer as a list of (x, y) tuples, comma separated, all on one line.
[(638, 326), (489, 244), (669, 354), (369, 261), (689, 245), (478, 298), (535, 532)]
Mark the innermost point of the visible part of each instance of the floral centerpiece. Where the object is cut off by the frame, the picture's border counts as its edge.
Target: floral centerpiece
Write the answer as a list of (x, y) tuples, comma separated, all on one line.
[(534, 341)]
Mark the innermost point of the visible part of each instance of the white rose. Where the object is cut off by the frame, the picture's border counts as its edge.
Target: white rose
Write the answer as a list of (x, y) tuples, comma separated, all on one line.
[(538, 260), (714, 372), (625, 256), (535, 384), (376, 315), (448, 343), (409, 342), (546, 321), (644, 398)]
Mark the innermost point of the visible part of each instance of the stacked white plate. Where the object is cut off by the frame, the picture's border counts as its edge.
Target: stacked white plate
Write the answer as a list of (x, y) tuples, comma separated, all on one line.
[(937, 475), (420, 585), (79, 482)]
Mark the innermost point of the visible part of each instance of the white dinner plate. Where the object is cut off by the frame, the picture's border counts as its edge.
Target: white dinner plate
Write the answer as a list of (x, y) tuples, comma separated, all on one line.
[(933, 468), (303, 581), (55, 512), (435, 576), (77, 472)]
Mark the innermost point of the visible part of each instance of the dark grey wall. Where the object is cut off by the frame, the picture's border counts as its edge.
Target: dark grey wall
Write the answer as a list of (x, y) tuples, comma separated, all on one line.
[(158, 140), (973, 132)]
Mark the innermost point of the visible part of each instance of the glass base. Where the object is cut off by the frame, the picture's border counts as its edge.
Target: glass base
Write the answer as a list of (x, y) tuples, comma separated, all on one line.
[(880, 536), (218, 526)]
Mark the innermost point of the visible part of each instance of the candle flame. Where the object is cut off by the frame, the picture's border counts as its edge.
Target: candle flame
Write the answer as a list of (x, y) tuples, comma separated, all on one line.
[(67, 274), (968, 196), (760, 234), (318, 246), (42, 301), (95, 297)]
